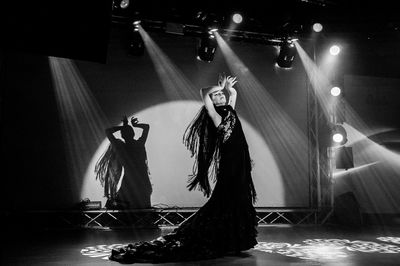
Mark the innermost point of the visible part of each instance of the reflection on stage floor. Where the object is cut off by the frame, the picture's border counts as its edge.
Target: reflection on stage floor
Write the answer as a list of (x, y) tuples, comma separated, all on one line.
[(278, 245)]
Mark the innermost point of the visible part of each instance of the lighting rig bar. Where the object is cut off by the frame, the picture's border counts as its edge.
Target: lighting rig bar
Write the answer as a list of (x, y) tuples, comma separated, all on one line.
[(198, 31)]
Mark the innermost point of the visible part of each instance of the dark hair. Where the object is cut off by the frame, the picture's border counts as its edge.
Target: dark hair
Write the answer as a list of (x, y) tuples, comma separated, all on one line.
[(127, 132), (200, 138), (108, 171)]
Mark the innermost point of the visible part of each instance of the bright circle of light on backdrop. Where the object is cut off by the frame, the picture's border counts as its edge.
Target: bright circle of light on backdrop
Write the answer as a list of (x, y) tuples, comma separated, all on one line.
[(170, 163)]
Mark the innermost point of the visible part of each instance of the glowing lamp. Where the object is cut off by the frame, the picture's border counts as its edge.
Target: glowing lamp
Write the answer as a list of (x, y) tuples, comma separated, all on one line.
[(317, 27), (339, 135), (335, 91), (237, 18), (334, 50)]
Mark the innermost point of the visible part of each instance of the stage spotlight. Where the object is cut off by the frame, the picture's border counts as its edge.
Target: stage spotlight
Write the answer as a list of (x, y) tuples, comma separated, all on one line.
[(286, 54), (136, 44), (207, 47), (339, 135), (212, 30), (122, 10), (124, 4), (317, 27), (336, 91), (237, 18), (120, 4), (210, 21), (334, 50)]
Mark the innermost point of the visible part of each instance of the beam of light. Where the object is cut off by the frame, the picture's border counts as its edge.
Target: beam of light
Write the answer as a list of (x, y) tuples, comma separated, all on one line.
[(340, 173), (321, 85), (324, 68), (369, 150), (175, 84), (82, 119), (319, 81), (375, 188), (285, 139)]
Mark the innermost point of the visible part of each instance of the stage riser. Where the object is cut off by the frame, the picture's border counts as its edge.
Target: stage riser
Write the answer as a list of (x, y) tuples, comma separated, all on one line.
[(109, 219)]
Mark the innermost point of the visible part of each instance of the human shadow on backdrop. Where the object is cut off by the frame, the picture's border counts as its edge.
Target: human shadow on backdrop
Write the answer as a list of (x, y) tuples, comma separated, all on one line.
[(125, 163)]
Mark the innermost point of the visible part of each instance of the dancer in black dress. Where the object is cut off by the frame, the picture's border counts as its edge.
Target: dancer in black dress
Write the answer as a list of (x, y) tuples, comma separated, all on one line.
[(227, 222)]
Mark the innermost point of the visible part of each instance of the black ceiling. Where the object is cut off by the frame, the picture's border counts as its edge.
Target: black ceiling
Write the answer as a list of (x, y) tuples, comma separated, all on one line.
[(273, 16), (80, 29)]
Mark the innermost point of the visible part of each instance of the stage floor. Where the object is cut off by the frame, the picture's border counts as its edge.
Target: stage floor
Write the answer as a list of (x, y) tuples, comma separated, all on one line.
[(278, 245)]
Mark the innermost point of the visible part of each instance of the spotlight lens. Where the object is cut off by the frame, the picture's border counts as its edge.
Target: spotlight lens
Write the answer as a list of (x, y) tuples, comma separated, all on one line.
[(334, 50), (237, 18), (335, 91), (337, 137), (124, 4), (317, 27)]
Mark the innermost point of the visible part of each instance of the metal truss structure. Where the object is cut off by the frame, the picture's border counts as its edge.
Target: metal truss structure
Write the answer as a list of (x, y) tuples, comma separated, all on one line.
[(153, 218), (320, 160)]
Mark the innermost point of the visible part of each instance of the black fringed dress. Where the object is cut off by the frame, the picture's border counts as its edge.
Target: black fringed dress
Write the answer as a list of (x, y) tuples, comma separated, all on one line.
[(227, 222)]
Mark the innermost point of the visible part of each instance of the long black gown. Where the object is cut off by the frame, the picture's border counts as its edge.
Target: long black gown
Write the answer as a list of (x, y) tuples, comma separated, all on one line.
[(225, 224)]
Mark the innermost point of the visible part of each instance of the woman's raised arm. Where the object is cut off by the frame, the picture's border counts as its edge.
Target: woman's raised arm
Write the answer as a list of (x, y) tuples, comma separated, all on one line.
[(205, 96)]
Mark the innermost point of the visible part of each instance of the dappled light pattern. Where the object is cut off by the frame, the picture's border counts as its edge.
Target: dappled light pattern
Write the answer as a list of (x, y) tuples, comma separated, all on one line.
[(307, 252), (390, 239), (330, 249), (310, 249), (100, 251)]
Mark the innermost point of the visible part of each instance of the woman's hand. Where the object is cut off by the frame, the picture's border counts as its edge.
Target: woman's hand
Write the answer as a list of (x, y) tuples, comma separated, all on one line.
[(221, 80), (230, 81), (134, 120)]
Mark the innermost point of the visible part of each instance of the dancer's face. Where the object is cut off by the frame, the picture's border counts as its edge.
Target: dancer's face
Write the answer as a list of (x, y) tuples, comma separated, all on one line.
[(218, 98)]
